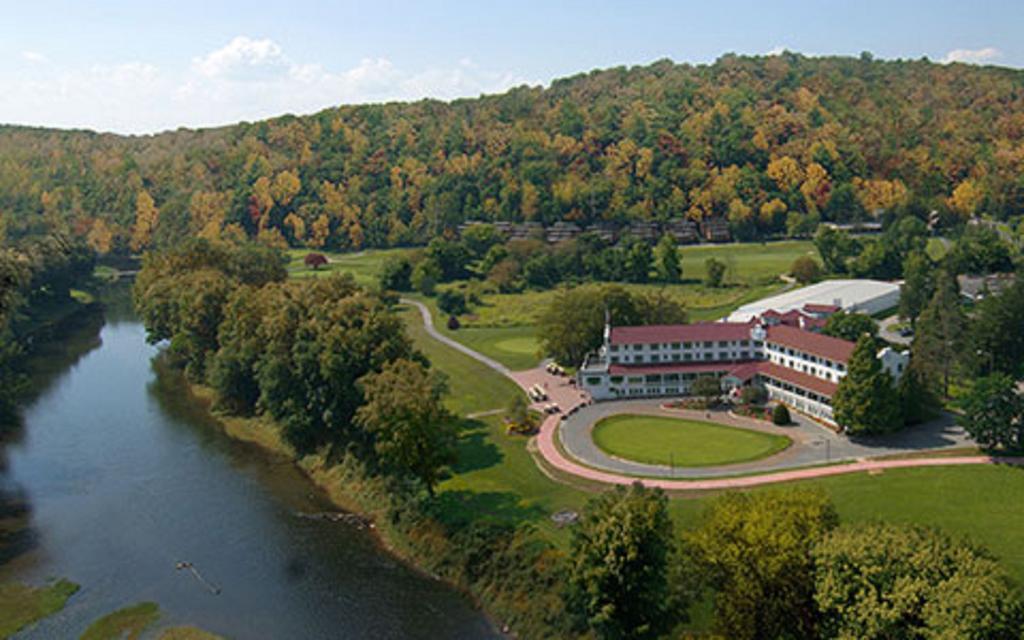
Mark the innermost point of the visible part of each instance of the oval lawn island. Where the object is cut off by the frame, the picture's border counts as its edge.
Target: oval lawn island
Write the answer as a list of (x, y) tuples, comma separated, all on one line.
[(682, 443)]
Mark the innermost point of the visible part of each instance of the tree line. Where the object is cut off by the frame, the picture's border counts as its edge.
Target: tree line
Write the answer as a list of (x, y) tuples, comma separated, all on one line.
[(36, 278), (326, 360), (772, 144), (779, 564)]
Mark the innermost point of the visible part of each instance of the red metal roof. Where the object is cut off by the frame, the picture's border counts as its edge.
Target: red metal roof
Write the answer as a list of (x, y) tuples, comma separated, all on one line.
[(809, 342), (697, 332), (669, 367), (797, 378)]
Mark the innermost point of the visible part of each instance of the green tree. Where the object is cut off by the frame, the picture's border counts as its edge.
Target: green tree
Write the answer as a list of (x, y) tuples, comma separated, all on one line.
[(404, 411), (995, 341), (396, 274), (714, 272), (667, 261), (939, 337), (993, 412), (425, 276), (618, 575), (882, 581), (850, 326), (780, 415), (805, 269), (707, 387), (755, 553), (918, 285), (866, 401), (572, 325), (835, 248), (452, 302), (638, 262)]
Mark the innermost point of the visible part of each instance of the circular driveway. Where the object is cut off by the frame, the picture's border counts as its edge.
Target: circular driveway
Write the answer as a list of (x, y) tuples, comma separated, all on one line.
[(813, 443)]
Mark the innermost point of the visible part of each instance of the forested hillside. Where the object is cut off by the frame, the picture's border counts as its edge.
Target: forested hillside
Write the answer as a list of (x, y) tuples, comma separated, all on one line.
[(773, 144)]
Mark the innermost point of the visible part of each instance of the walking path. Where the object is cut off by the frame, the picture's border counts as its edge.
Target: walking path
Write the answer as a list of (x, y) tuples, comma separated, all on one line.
[(779, 468)]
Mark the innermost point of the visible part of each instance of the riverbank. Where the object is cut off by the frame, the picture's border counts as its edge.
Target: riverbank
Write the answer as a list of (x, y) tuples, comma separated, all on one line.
[(481, 563)]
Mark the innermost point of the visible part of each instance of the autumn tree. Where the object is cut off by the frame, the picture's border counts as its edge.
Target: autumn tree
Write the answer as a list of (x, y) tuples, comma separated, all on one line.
[(404, 411), (146, 216), (805, 269)]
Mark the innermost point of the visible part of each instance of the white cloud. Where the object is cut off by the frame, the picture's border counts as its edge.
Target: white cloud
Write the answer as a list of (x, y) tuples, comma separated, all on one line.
[(240, 53), (247, 79), (972, 56), (776, 50), (34, 57)]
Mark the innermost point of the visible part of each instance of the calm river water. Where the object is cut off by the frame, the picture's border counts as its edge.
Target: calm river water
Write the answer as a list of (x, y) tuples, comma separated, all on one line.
[(122, 479)]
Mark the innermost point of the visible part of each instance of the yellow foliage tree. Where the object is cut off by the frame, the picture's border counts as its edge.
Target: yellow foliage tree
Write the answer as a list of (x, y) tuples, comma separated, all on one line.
[(146, 216), (772, 211), (880, 195), (816, 186), (285, 187), (966, 198), (208, 210), (320, 230), (297, 225), (786, 172), (100, 237)]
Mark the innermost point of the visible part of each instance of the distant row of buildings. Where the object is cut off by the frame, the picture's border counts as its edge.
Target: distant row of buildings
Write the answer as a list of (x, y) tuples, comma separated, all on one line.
[(684, 231)]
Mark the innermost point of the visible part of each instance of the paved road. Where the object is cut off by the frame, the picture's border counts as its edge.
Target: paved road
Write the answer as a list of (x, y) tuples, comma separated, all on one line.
[(809, 439), (428, 323), (886, 332), (813, 444)]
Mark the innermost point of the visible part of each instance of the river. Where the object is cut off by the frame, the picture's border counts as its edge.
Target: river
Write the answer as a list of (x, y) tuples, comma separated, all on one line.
[(122, 479)]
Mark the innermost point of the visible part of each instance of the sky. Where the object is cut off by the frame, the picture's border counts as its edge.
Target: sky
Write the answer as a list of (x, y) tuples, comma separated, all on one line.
[(143, 66)]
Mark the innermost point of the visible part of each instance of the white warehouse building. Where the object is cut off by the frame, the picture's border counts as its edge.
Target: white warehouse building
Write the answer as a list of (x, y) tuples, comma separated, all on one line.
[(863, 296)]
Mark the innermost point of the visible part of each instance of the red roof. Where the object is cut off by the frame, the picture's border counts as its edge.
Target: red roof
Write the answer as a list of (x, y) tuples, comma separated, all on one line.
[(697, 332), (809, 342), (669, 367), (797, 378)]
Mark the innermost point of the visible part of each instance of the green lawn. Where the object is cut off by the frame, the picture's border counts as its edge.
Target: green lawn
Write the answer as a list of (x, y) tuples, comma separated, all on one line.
[(747, 262), (515, 347), (363, 265), (683, 443), (473, 386), (22, 605), (129, 623)]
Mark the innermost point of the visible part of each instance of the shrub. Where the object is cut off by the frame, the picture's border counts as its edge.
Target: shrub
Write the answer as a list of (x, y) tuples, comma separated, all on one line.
[(452, 302), (780, 415), (806, 270), (753, 395), (453, 323)]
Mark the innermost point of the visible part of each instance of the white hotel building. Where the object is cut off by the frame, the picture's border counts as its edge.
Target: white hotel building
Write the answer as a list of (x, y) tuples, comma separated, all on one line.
[(799, 368)]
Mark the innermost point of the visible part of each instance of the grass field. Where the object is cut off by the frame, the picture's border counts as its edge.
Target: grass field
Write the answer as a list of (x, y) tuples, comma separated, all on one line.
[(22, 605), (683, 443), (363, 265), (129, 622), (749, 262)]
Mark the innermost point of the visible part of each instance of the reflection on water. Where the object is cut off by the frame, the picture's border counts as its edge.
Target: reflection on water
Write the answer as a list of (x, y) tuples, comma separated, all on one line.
[(119, 480)]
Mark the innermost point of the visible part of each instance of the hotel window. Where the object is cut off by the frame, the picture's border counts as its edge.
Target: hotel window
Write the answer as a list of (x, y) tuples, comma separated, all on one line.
[(723, 343), (709, 356), (637, 347), (675, 345), (687, 356), (744, 343), (615, 347), (687, 345), (615, 359), (675, 357), (655, 358), (593, 380), (758, 344), (655, 346), (708, 345), (722, 355), (616, 379)]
